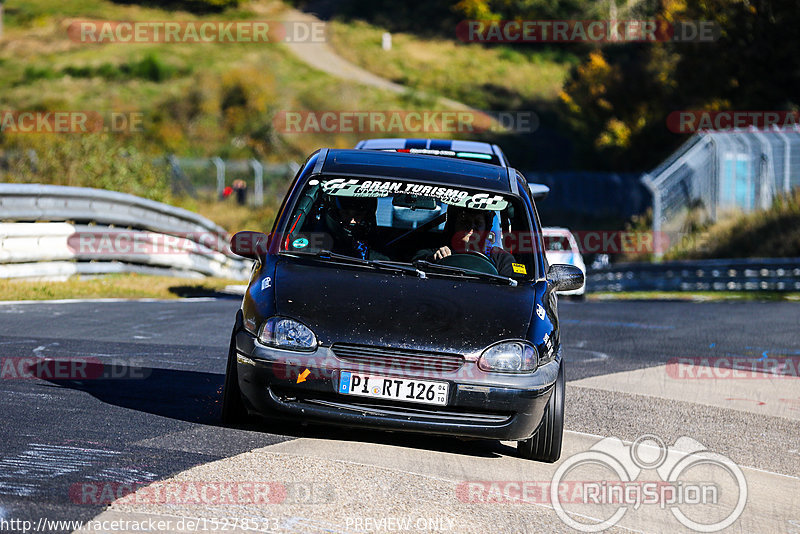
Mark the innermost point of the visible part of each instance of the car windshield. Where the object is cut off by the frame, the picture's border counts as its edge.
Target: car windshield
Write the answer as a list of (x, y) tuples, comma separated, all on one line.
[(442, 230)]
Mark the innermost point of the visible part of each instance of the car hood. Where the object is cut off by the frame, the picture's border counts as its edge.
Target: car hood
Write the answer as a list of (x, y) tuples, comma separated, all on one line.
[(357, 305)]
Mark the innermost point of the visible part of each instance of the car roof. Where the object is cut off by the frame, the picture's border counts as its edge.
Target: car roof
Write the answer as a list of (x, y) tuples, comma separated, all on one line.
[(456, 145), (417, 167)]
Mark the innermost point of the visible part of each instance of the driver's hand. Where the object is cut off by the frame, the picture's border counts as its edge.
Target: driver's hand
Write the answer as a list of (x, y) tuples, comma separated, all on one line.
[(442, 253)]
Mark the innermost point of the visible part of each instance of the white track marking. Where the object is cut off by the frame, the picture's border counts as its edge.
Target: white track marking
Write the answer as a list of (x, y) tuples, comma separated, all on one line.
[(43, 462), (596, 356), (760, 393)]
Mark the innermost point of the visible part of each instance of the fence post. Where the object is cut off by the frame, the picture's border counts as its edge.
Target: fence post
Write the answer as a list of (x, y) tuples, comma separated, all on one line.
[(658, 243), (258, 175), (766, 168), (786, 156), (220, 165), (33, 157)]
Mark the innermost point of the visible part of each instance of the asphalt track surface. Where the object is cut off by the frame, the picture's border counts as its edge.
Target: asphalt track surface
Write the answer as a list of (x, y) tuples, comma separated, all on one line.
[(155, 415)]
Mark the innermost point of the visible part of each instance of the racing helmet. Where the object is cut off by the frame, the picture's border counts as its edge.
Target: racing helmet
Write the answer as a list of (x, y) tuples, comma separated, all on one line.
[(351, 218)]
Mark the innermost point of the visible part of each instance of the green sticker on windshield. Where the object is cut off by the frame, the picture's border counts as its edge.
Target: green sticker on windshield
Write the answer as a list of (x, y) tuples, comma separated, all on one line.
[(300, 243)]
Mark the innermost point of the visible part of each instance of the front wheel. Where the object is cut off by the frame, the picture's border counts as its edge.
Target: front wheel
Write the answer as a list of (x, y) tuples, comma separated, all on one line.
[(545, 445), (233, 409)]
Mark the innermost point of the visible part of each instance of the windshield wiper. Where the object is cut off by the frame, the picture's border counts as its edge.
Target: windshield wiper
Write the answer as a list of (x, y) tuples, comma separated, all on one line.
[(352, 260), (449, 269)]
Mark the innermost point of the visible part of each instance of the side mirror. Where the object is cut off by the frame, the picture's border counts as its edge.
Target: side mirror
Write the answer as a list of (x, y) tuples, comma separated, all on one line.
[(249, 244), (538, 191), (565, 277)]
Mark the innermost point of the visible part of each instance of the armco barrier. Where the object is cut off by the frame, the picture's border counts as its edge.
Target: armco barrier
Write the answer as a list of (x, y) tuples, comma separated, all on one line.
[(35, 240), (755, 274)]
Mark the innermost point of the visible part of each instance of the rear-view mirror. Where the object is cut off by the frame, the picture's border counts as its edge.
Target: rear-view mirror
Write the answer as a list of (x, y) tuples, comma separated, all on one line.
[(414, 202)]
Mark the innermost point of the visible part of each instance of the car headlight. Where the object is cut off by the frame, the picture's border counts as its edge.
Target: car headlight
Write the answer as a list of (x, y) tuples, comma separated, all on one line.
[(284, 333), (510, 357)]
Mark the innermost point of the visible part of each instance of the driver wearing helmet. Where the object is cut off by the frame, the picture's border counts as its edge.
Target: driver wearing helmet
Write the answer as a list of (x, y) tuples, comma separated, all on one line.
[(351, 221), (468, 230)]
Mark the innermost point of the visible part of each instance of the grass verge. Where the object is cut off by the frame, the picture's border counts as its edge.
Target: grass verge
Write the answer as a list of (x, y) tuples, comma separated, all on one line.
[(486, 77), (770, 233), (129, 286)]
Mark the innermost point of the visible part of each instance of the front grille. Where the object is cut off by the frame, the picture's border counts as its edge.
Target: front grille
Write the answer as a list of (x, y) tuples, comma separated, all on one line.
[(387, 359), (419, 413), (393, 408)]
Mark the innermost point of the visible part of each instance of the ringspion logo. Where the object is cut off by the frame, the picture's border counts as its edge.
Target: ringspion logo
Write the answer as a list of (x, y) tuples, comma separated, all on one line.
[(703, 490), (593, 490)]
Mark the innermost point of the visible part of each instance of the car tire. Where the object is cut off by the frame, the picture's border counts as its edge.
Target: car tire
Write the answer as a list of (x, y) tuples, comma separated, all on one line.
[(233, 408), (545, 445)]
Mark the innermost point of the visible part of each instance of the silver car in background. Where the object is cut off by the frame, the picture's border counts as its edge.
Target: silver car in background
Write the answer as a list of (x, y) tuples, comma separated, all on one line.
[(562, 247)]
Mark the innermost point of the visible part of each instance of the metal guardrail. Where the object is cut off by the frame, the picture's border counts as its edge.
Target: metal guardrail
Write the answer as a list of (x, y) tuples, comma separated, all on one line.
[(757, 274), (35, 240)]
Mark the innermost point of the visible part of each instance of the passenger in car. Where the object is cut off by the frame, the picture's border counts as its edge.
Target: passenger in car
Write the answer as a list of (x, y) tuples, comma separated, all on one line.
[(467, 230), (351, 222)]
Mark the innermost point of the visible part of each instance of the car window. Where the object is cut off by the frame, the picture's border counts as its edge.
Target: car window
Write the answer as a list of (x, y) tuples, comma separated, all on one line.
[(405, 221), (556, 243)]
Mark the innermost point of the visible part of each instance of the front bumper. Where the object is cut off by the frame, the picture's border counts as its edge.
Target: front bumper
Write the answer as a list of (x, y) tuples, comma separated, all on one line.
[(480, 404)]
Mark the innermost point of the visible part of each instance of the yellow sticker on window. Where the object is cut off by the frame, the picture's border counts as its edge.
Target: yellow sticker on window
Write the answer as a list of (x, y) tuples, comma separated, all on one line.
[(519, 268)]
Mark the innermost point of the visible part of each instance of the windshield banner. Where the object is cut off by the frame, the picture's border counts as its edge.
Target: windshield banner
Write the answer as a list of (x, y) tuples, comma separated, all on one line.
[(353, 187)]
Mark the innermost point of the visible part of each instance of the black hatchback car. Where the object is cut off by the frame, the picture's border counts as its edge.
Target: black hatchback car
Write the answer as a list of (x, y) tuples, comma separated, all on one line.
[(404, 292)]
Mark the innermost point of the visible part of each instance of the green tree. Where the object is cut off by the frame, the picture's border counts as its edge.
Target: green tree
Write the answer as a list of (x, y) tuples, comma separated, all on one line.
[(618, 100)]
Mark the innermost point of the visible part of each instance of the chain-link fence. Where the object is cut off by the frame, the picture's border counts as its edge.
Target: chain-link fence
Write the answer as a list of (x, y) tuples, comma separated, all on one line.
[(248, 178), (720, 172)]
